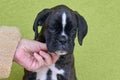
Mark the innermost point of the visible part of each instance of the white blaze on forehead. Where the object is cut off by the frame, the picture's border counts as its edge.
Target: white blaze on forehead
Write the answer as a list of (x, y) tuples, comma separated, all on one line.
[(63, 23), (63, 19)]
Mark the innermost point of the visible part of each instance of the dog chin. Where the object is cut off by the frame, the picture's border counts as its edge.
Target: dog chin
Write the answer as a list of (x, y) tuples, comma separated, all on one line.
[(60, 52)]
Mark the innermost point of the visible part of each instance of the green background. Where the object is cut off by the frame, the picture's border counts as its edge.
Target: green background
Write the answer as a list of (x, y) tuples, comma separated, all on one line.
[(99, 57)]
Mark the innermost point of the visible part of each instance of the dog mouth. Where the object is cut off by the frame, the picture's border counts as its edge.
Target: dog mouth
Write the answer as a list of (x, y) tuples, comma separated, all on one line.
[(61, 52)]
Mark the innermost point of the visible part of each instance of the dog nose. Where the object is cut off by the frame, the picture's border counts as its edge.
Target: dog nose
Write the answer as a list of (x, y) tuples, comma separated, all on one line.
[(62, 39)]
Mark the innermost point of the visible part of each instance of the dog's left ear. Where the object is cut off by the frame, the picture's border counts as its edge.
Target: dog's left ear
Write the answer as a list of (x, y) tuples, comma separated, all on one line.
[(40, 19), (82, 27)]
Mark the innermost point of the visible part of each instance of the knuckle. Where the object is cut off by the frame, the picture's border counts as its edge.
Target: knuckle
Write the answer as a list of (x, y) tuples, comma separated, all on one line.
[(49, 63), (29, 69)]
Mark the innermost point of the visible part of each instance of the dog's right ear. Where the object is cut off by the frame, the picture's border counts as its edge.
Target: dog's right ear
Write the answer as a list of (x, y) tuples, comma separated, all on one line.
[(39, 21)]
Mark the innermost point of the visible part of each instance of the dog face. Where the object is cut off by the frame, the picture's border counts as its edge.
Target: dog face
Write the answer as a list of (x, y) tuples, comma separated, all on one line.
[(60, 25), (60, 32)]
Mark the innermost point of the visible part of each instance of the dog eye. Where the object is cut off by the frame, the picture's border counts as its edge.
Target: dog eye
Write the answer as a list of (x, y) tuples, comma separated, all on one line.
[(52, 30), (73, 30)]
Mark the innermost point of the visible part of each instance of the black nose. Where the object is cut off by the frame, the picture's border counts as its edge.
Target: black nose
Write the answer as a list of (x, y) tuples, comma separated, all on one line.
[(62, 39)]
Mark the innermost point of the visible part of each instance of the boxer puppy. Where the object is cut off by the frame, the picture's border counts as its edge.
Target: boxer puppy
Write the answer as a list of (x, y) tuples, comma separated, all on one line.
[(59, 27)]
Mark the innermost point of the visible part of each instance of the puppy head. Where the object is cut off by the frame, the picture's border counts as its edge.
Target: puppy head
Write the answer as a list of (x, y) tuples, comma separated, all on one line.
[(60, 25)]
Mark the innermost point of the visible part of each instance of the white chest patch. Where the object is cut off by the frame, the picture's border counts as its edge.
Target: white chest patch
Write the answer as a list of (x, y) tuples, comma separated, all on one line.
[(42, 72)]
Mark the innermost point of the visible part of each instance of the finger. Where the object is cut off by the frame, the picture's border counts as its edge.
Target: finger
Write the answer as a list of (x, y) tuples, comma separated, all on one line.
[(33, 66), (39, 60), (47, 58), (54, 58)]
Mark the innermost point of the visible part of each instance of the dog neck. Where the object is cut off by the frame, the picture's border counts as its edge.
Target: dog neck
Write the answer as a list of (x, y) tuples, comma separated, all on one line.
[(65, 60)]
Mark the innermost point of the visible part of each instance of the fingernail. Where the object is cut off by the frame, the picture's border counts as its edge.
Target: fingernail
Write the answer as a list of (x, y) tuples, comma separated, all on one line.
[(35, 54)]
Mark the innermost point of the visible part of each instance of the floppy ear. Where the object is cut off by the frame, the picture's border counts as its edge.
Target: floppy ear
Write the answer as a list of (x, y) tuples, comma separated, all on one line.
[(82, 27), (40, 19)]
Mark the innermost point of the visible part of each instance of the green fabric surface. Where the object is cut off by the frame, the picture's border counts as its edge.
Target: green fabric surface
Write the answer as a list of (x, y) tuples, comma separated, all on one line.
[(99, 57)]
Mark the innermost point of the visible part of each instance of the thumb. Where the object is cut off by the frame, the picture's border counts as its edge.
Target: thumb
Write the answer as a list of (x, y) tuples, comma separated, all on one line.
[(42, 46), (33, 45)]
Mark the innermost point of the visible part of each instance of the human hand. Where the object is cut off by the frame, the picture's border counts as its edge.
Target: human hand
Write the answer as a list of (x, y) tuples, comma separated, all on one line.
[(32, 55)]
